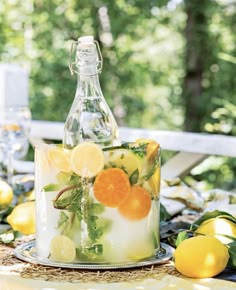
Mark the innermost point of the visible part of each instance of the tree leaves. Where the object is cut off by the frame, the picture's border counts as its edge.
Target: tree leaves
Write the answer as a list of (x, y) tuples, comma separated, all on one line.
[(232, 253)]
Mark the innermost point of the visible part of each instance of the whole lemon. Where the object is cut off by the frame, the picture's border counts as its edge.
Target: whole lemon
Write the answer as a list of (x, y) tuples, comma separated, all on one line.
[(201, 257), (218, 227), (6, 194), (22, 218)]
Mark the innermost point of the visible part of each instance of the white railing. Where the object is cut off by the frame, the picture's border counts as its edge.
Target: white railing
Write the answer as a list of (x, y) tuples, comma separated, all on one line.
[(190, 148)]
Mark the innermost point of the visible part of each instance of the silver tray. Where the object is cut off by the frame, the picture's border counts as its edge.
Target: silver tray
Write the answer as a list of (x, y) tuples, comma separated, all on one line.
[(27, 253)]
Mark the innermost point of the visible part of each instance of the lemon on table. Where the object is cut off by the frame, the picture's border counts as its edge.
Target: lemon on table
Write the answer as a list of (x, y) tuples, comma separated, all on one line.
[(62, 249), (6, 194), (87, 159), (22, 218), (201, 257), (59, 158), (218, 227), (126, 160)]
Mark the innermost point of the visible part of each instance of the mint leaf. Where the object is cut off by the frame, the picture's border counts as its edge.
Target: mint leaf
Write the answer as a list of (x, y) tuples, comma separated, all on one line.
[(78, 215), (152, 169), (112, 164), (96, 249), (93, 232), (62, 219), (134, 177), (140, 149), (181, 236), (75, 200), (164, 215), (75, 179), (63, 203), (4, 213), (70, 202), (88, 253), (232, 255), (52, 187), (124, 145), (96, 208)]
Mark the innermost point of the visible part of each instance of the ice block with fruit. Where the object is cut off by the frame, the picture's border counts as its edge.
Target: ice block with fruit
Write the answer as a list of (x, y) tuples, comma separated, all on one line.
[(98, 205)]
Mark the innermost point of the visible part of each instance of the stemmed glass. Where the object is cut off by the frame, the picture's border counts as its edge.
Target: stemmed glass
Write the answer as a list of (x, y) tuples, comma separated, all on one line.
[(14, 132)]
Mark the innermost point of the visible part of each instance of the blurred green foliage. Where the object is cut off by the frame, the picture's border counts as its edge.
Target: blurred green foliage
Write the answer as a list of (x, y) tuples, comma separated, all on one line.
[(219, 172), (143, 46)]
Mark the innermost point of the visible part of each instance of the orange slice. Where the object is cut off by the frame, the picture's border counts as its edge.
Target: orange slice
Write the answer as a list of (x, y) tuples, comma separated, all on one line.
[(137, 205), (112, 187), (87, 159)]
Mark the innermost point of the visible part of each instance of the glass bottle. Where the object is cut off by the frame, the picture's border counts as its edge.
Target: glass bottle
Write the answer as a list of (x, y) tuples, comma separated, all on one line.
[(90, 118)]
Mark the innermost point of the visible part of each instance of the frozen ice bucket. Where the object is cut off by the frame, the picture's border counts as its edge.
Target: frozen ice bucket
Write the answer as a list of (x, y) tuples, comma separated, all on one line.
[(97, 205)]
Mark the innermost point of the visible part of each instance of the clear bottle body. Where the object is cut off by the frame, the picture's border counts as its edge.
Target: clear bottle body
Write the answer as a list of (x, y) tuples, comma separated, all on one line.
[(90, 118)]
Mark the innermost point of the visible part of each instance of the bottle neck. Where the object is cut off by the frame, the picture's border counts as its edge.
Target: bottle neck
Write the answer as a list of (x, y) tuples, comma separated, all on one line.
[(87, 70), (88, 84)]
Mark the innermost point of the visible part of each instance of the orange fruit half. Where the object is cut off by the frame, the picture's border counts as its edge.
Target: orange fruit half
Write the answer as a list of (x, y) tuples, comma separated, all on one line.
[(137, 205)]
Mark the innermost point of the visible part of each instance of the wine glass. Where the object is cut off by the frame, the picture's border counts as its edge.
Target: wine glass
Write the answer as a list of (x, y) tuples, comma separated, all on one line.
[(14, 131)]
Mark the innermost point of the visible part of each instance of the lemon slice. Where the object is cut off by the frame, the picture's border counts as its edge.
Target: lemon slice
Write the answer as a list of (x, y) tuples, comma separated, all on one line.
[(11, 127), (155, 181), (62, 249), (87, 159), (141, 250), (59, 158), (126, 160)]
